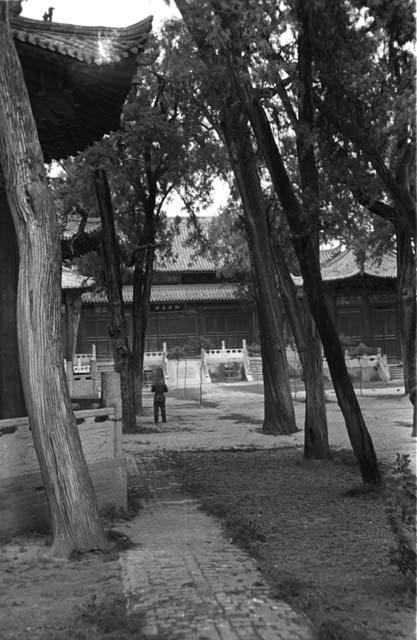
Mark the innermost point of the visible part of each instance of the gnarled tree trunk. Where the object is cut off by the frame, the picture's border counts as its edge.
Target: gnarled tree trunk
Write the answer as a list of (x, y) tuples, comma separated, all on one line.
[(406, 295), (310, 268), (118, 328), (279, 411), (70, 494), (316, 441), (140, 320), (316, 423), (142, 283)]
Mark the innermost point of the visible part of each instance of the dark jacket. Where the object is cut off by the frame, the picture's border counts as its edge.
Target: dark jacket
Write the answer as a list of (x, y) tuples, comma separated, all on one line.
[(159, 388)]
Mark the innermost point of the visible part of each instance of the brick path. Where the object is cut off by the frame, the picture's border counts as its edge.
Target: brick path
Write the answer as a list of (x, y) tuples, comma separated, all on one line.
[(187, 577)]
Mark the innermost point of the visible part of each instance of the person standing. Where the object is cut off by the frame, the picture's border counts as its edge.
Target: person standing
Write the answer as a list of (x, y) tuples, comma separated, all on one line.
[(159, 389)]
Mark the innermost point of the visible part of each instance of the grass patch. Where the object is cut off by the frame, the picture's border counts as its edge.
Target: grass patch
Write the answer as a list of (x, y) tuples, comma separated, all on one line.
[(240, 418), (110, 617), (323, 547), (365, 491), (332, 630)]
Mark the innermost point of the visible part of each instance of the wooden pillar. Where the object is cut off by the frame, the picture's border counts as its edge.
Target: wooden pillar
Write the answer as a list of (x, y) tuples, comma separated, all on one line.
[(366, 319), (330, 295), (72, 323), (12, 403)]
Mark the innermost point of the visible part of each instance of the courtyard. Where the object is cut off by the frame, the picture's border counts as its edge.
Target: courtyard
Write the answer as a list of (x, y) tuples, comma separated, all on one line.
[(230, 535)]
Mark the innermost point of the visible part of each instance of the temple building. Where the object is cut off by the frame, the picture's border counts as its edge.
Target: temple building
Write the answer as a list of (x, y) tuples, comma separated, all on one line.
[(77, 79), (190, 302)]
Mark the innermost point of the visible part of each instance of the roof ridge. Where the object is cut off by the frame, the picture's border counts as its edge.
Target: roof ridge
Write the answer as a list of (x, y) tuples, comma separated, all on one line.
[(46, 27)]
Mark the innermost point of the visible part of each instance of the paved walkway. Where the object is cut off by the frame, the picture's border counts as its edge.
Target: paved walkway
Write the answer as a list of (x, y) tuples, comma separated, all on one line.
[(184, 574), (191, 582)]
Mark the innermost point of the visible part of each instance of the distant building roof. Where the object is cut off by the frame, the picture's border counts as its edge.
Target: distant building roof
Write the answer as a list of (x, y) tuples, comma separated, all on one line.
[(336, 264), (345, 265), (216, 292), (183, 256), (328, 254), (72, 225), (71, 279), (185, 253)]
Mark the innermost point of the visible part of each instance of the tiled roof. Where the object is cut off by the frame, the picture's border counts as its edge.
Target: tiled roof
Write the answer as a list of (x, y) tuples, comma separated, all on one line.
[(344, 265), (328, 254), (92, 45), (71, 279), (73, 223), (77, 78), (185, 256), (336, 263), (216, 292)]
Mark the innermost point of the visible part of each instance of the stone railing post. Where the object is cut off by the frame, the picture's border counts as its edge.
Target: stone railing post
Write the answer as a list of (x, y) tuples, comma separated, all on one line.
[(110, 392)]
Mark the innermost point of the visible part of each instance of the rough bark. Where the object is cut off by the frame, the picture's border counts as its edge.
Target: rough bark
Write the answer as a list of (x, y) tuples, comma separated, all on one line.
[(316, 440), (142, 283), (316, 436), (118, 327), (394, 162), (140, 317), (304, 246), (12, 401), (72, 504), (279, 411), (406, 294)]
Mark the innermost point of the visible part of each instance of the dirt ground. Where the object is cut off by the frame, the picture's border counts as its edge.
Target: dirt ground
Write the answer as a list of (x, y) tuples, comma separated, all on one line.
[(41, 598), (317, 545)]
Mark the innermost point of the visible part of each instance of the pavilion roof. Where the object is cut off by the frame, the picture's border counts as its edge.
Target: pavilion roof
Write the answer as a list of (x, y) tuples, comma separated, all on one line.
[(184, 255), (77, 78), (344, 264), (91, 45), (336, 263), (72, 279)]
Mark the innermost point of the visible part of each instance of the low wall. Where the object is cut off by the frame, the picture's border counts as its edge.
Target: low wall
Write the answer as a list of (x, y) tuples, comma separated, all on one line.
[(228, 364), (186, 372), (23, 504), (365, 368)]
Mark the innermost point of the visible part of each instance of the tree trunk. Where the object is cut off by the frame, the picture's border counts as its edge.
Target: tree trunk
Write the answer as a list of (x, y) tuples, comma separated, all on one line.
[(316, 435), (12, 401), (118, 328), (406, 294), (310, 268), (279, 411), (304, 245), (70, 494), (316, 441), (142, 283), (138, 348), (141, 294)]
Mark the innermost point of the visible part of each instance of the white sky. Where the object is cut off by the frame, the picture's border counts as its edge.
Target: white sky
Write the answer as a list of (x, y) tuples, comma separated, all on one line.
[(106, 13)]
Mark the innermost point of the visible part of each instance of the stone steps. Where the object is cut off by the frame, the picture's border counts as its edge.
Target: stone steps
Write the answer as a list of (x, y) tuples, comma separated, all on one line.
[(396, 371)]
